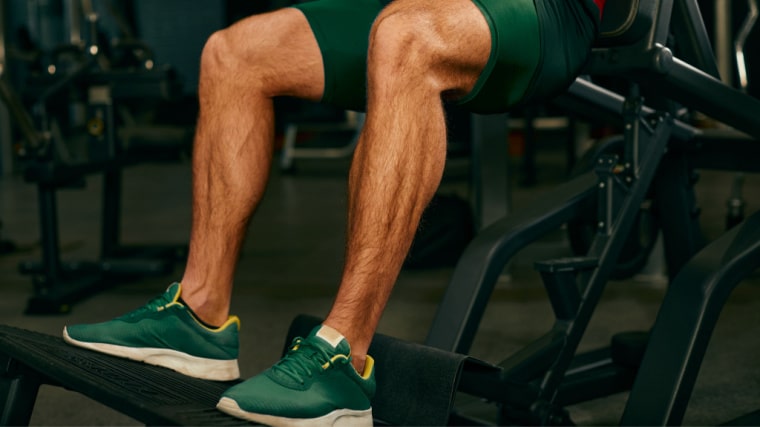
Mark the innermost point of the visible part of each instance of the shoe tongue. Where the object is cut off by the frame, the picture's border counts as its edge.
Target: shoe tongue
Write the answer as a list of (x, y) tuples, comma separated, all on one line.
[(332, 338), (173, 292)]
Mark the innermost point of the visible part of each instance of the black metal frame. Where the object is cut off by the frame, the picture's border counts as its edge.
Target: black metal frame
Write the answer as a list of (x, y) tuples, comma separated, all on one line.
[(60, 284), (19, 386), (688, 315), (659, 156)]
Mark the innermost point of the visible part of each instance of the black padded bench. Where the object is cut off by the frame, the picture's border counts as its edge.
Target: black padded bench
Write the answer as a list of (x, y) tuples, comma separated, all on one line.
[(626, 22)]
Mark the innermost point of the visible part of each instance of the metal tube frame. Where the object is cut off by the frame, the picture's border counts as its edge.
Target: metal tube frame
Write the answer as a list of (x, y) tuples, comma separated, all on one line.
[(647, 63)]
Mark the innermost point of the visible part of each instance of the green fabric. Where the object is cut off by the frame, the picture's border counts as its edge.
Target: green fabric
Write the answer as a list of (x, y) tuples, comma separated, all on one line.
[(515, 55), (162, 323), (568, 29), (342, 28), (309, 382)]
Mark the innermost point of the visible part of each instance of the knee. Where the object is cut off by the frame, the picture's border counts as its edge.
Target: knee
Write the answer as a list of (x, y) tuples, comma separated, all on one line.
[(403, 44), (217, 57), (442, 49), (227, 57)]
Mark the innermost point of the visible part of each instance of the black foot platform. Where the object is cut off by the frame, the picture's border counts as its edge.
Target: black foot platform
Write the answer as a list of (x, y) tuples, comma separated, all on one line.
[(152, 395), (416, 385)]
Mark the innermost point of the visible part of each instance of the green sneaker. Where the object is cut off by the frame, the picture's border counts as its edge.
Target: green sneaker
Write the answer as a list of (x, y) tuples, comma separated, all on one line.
[(165, 333), (314, 384)]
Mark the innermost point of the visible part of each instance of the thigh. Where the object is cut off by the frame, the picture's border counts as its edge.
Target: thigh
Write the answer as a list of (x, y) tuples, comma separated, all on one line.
[(538, 48), (274, 51), (342, 29)]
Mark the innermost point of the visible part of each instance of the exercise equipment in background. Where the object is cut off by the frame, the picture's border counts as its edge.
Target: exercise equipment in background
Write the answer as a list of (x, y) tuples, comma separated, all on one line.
[(75, 121)]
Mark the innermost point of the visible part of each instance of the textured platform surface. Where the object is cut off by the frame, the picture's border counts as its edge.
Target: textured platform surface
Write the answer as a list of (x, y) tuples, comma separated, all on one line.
[(416, 384), (149, 394)]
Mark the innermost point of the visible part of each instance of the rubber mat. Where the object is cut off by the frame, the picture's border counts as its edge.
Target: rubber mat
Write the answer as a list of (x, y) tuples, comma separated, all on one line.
[(146, 393)]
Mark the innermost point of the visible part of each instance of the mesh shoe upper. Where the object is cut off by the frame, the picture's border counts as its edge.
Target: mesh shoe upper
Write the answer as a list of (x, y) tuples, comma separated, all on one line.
[(164, 332), (312, 380)]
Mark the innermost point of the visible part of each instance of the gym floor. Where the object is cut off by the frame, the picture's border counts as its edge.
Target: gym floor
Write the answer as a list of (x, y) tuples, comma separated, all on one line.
[(291, 264)]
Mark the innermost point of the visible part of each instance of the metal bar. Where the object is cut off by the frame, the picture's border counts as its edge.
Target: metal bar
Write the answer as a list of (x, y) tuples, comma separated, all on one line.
[(687, 317), (21, 116), (680, 228), (471, 285), (104, 147), (694, 45), (593, 102), (490, 168), (51, 262), (701, 91), (741, 40), (723, 39), (607, 246), (661, 30), (74, 22), (18, 392)]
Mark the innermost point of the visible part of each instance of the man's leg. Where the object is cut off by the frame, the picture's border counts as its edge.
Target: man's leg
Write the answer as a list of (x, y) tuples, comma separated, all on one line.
[(420, 51), (242, 69)]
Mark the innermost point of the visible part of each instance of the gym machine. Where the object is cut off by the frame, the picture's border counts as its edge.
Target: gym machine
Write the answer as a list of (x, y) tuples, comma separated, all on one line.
[(656, 157), (82, 70)]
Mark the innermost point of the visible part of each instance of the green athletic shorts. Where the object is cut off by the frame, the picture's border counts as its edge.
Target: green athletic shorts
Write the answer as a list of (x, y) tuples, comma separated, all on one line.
[(538, 48)]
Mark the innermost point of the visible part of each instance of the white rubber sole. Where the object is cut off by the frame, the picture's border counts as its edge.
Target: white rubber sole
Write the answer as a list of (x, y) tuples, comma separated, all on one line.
[(337, 418), (197, 367)]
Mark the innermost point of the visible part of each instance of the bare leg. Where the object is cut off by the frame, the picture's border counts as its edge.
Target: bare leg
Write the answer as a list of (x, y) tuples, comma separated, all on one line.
[(400, 158), (242, 68)]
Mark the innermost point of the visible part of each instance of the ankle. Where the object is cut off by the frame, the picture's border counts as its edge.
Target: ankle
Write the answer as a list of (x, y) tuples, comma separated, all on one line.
[(359, 362), (358, 346), (207, 312), (202, 319)]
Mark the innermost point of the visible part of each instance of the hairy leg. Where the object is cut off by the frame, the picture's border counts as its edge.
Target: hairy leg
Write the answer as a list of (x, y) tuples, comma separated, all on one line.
[(242, 69), (420, 51)]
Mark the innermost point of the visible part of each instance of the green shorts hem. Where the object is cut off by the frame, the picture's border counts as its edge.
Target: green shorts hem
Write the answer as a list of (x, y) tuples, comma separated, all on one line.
[(538, 47), (512, 24)]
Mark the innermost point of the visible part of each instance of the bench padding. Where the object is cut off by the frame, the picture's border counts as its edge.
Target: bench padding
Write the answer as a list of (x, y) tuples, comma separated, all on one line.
[(626, 21)]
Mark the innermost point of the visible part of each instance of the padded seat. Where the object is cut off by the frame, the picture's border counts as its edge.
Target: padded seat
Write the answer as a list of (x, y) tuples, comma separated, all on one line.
[(626, 21)]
